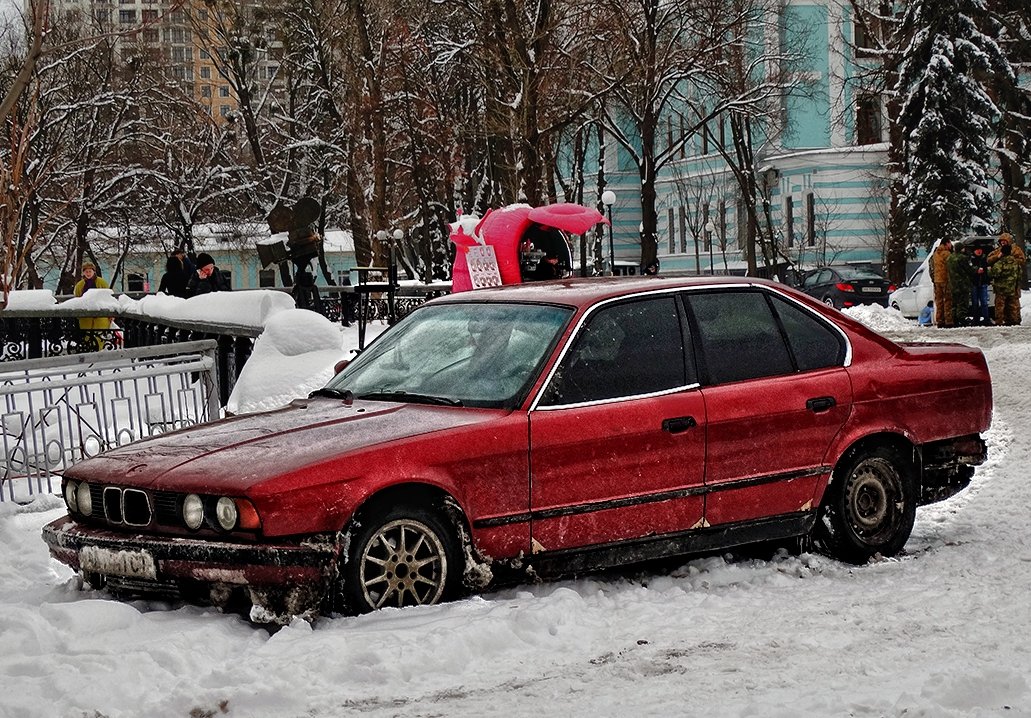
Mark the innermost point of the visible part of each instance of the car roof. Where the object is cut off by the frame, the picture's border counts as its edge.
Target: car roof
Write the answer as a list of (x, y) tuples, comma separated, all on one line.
[(582, 292)]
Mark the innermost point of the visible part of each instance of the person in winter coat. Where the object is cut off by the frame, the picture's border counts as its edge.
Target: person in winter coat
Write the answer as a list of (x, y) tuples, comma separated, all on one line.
[(207, 278), (1016, 252), (961, 280), (175, 278), (979, 291), (940, 277), (92, 326), (1006, 274), (926, 315)]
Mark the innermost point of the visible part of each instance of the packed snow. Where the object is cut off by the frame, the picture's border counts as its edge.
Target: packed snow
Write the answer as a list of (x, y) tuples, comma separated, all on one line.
[(942, 631)]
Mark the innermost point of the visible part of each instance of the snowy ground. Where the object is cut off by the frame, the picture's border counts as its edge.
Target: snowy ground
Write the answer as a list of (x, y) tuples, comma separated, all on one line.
[(941, 632)]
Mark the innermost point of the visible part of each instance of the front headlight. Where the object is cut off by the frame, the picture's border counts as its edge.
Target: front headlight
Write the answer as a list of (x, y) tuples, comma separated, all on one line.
[(84, 499), (71, 495), (193, 511), (226, 513)]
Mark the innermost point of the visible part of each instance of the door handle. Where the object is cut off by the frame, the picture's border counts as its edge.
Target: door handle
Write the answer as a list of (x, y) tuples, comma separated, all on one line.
[(679, 425), (820, 404)]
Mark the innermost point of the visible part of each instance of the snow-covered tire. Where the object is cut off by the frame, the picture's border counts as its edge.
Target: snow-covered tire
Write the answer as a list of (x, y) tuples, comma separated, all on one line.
[(401, 556), (869, 508)]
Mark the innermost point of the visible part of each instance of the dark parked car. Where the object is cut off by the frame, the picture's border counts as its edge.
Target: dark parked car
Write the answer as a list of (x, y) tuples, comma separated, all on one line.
[(847, 286), (542, 430)]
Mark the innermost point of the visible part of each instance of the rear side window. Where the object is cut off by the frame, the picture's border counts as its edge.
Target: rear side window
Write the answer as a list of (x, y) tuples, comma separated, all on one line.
[(739, 336), (625, 349), (814, 344)]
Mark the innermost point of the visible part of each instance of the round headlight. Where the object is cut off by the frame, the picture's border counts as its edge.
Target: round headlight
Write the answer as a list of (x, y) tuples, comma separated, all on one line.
[(193, 511), (226, 513), (70, 495), (84, 498)]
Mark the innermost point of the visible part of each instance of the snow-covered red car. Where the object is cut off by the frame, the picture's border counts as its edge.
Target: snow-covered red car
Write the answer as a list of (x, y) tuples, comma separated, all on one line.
[(539, 430)]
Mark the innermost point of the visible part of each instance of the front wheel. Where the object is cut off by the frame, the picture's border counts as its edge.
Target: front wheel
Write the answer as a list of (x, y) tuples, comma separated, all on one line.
[(403, 556), (869, 508)]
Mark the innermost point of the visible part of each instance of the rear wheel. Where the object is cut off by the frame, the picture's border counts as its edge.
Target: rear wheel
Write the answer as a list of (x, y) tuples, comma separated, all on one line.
[(869, 507), (829, 301), (401, 556)]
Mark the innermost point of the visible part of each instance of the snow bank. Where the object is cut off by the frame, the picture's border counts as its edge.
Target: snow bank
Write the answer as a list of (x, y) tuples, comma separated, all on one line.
[(93, 299), (246, 308), (294, 355), (878, 318), (31, 299)]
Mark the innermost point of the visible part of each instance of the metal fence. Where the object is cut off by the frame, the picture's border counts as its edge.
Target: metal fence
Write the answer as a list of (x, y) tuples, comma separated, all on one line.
[(63, 409)]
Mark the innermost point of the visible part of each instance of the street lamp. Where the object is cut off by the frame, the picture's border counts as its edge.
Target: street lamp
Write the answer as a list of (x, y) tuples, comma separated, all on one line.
[(710, 230), (608, 198)]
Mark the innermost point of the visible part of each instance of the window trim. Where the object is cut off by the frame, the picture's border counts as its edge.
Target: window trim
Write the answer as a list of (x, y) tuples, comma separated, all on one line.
[(574, 335), (682, 291), (701, 362)]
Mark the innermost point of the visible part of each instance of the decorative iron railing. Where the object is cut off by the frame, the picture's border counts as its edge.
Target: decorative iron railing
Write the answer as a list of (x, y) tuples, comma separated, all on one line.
[(56, 331), (59, 410)]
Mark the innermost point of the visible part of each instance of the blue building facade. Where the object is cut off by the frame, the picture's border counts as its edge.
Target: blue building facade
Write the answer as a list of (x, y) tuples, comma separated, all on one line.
[(824, 172)]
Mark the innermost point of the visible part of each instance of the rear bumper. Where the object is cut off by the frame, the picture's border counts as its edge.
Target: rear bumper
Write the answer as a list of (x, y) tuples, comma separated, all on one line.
[(160, 562)]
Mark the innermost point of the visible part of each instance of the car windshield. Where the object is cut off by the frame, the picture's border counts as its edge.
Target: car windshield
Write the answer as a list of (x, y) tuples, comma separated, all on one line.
[(470, 354), (858, 273)]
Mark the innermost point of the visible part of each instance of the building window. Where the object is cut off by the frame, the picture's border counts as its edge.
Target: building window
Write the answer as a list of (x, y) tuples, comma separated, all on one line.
[(151, 35), (741, 219), (149, 15), (205, 90), (671, 222), (343, 277), (789, 219), (810, 219), (137, 282), (266, 277), (723, 222), (706, 233), (127, 17), (868, 120), (205, 55), (178, 54), (683, 229), (224, 110), (205, 74), (223, 91)]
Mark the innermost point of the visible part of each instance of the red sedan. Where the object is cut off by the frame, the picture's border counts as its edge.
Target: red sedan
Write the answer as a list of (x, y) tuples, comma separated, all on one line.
[(542, 430)]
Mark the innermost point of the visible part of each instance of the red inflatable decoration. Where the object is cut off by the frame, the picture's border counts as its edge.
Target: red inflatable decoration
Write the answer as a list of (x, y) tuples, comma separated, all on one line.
[(528, 241)]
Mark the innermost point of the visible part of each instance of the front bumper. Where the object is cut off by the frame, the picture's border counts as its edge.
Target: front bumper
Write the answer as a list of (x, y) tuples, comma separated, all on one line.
[(163, 564)]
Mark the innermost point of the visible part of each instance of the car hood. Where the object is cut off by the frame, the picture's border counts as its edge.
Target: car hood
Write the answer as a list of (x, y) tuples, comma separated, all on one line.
[(240, 452)]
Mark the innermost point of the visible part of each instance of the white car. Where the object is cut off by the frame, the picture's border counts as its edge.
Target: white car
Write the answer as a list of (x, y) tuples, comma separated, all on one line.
[(914, 295)]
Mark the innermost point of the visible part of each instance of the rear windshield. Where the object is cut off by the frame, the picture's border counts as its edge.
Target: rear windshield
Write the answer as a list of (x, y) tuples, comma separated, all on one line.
[(858, 273)]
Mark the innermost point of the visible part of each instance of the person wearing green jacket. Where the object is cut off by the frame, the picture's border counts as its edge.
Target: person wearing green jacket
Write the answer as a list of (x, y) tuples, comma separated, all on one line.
[(961, 281), (1006, 274)]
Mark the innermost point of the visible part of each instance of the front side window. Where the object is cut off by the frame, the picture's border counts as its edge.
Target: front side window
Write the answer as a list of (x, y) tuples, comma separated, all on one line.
[(623, 350), (483, 355)]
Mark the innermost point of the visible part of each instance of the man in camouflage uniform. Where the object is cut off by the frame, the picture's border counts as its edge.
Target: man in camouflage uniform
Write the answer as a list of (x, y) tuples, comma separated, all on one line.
[(961, 276), (1005, 240), (940, 277), (1006, 273)]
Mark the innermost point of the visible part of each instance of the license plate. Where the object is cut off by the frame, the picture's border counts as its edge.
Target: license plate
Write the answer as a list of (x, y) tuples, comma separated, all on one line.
[(137, 564), (871, 290)]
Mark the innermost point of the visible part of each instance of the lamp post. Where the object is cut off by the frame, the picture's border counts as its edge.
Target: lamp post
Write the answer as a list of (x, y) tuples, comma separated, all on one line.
[(710, 232), (608, 198)]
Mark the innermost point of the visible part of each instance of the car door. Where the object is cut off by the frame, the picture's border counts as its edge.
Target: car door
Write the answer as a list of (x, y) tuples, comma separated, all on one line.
[(617, 437), (776, 393)]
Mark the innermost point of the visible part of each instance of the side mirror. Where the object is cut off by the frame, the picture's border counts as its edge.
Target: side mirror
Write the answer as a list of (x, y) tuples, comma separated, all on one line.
[(340, 366)]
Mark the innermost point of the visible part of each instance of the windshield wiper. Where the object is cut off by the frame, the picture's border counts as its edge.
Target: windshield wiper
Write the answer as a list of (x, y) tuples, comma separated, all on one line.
[(410, 398), (344, 394)]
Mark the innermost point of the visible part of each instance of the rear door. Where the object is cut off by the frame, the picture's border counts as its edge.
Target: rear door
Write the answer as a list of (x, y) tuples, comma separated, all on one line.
[(618, 435), (776, 393)]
